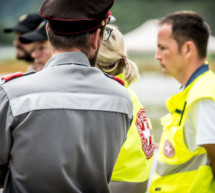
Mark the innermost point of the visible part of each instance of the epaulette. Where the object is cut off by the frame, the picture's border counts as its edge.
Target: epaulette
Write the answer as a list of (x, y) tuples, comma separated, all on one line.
[(9, 77), (116, 79)]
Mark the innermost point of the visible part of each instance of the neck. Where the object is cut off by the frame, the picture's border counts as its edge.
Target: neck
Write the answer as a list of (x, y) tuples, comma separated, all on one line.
[(190, 69), (60, 51)]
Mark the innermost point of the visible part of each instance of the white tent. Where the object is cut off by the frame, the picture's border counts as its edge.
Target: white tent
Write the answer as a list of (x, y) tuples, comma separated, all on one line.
[(211, 44), (143, 39)]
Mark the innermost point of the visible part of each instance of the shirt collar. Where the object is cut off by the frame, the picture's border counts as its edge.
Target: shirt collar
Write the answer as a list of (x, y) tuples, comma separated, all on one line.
[(67, 58), (197, 73)]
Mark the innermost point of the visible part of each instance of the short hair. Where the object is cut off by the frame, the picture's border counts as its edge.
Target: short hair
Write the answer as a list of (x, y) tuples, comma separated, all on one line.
[(65, 42), (112, 57), (188, 25)]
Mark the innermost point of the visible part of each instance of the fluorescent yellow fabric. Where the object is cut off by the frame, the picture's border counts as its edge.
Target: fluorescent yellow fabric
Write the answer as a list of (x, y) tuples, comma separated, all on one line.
[(180, 170), (132, 164)]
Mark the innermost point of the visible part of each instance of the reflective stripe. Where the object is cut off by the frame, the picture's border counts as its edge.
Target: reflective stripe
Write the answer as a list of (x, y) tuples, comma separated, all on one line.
[(193, 164), (128, 187), (53, 100)]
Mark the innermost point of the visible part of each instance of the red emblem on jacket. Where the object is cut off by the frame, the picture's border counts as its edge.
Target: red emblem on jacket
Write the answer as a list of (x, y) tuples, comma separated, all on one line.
[(145, 133), (168, 149), (10, 76)]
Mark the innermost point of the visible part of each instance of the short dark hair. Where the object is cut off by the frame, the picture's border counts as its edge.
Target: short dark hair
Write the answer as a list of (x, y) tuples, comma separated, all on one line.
[(188, 25), (65, 42)]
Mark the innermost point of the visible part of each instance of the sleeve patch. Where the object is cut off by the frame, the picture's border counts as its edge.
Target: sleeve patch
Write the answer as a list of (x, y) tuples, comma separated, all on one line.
[(145, 133)]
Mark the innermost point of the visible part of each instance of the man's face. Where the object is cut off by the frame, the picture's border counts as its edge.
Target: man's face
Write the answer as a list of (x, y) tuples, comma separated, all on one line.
[(41, 54), (23, 51), (168, 53)]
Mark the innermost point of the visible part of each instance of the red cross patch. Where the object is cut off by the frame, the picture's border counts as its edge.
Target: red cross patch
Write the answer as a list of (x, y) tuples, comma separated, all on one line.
[(145, 133), (168, 149)]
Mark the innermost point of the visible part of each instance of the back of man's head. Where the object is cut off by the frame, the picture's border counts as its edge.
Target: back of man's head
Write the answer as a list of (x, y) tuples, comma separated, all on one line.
[(188, 25), (70, 22)]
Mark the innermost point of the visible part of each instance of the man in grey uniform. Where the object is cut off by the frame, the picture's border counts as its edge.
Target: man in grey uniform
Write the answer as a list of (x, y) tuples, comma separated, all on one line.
[(64, 133)]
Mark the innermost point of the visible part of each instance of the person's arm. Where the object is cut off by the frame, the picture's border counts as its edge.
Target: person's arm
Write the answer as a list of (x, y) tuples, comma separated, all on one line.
[(206, 128), (6, 119), (210, 148)]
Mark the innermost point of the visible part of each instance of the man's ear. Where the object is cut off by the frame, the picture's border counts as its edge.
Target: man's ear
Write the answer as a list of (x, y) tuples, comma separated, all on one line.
[(94, 38), (188, 48), (47, 28)]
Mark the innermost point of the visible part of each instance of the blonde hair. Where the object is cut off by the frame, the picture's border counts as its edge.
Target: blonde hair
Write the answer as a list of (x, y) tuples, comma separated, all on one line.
[(112, 57)]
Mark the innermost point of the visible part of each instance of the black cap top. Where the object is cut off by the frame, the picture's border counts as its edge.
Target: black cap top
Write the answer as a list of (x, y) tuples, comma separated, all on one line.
[(26, 23), (75, 17), (37, 35)]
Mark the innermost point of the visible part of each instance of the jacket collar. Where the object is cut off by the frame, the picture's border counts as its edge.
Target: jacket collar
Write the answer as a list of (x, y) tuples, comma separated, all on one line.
[(68, 58), (202, 69)]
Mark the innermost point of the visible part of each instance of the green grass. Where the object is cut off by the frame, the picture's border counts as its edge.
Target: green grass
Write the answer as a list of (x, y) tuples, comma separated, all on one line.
[(145, 63), (10, 66)]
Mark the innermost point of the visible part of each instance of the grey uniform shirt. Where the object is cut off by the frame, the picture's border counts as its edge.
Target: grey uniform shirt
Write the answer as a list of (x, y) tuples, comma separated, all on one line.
[(64, 133)]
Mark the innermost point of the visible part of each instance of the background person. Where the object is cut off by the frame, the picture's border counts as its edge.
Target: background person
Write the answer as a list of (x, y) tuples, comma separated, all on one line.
[(42, 50), (26, 24), (186, 161), (67, 130), (131, 172)]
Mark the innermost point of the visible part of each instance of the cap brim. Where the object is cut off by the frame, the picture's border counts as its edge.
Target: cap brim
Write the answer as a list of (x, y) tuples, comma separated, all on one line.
[(33, 37), (18, 28)]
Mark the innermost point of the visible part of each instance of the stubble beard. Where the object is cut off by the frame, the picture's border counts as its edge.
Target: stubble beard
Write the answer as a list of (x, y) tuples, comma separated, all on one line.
[(26, 56)]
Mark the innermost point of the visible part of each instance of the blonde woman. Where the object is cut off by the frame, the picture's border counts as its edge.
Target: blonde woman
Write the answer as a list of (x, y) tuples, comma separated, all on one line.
[(131, 172)]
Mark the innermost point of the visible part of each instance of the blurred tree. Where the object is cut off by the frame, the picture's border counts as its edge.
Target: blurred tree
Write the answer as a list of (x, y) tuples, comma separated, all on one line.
[(129, 14)]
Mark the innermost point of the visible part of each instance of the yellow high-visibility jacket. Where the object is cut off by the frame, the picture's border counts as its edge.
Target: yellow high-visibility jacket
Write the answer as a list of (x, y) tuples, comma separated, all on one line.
[(179, 170), (136, 155)]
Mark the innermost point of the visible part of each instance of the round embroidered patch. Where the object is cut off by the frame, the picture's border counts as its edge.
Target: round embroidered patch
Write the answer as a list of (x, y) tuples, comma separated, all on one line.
[(145, 133), (168, 149)]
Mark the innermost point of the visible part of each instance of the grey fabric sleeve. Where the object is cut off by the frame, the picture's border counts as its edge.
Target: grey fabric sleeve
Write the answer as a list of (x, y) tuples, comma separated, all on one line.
[(6, 119)]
